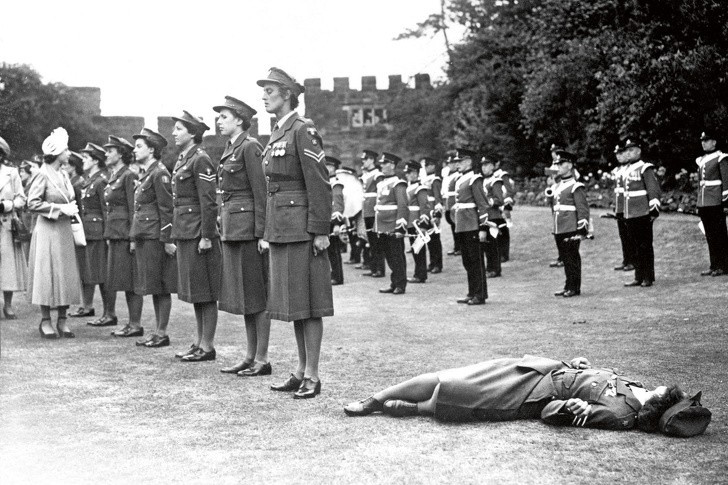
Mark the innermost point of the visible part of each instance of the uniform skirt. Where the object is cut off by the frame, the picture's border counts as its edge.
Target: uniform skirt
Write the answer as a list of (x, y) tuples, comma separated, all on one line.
[(198, 274), (245, 279), (13, 267), (156, 270), (121, 266), (93, 265), (53, 278), (300, 283)]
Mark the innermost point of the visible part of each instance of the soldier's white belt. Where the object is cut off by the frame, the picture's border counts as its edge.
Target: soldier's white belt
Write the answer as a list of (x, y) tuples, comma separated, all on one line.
[(464, 205), (430, 198), (368, 195), (386, 207), (710, 182), (564, 207), (413, 207), (619, 190), (450, 194), (636, 193)]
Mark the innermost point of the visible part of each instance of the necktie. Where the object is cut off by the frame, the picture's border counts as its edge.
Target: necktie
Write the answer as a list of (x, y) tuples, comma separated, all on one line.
[(141, 171), (275, 127)]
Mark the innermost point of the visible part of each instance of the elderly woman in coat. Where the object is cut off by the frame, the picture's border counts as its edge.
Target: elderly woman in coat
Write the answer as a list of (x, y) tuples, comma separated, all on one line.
[(13, 270), (531, 387)]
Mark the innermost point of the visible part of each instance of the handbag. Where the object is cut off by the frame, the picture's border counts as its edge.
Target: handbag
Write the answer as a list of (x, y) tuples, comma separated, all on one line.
[(20, 231), (79, 236)]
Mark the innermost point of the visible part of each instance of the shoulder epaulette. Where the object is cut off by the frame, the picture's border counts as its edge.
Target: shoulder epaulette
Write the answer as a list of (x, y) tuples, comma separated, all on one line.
[(475, 177), (645, 167), (576, 186)]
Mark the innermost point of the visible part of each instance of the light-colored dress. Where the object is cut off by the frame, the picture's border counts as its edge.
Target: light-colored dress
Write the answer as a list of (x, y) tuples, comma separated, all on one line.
[(13, 268), (53, 273)]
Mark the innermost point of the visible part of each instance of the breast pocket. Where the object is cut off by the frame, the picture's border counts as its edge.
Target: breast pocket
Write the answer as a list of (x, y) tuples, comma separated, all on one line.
[(93, 227), (291, 217), (146, 226), (238, 220)]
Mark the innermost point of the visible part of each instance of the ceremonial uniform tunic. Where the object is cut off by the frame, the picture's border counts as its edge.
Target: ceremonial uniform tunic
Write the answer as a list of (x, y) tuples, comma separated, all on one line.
[(641, 194), (448, 197), (434, 196), (242, 187), (628, 249), (337, 219), (712, 196), (151, 228), (532, 388), (392, 214), (471, 213), (299, 208), (194, 190), (376, 255), (53, 278), (121, 265), (93, 215), (571, 211), (495, 194), (13, 268), (418, 205), (509, 193)]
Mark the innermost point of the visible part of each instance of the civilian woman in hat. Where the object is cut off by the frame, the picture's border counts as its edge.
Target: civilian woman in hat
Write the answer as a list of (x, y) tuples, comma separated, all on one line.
[(298, 219), (244, 252), (121, 265), (13, 269), (194, 230), (93, 264), (53, 274), (151, 231)]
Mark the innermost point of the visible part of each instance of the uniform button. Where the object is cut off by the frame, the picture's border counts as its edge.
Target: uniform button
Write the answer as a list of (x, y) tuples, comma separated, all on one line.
[(266, 162), (189, 210), (594, 384), (291, 202)]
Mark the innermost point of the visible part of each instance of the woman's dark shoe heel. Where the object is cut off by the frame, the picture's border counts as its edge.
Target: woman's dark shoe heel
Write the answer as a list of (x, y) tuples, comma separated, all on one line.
[(64, 332), (43, 333)]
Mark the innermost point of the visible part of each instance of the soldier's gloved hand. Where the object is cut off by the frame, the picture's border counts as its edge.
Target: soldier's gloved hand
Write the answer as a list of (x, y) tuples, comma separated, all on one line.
[(204, 246), (482, 236), (320, 243), (170, 249), (580, 363), (580, 409), (263, 246), (132, 247)]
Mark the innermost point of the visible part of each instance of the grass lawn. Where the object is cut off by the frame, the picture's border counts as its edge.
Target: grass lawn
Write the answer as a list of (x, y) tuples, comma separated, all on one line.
[(98, 409)]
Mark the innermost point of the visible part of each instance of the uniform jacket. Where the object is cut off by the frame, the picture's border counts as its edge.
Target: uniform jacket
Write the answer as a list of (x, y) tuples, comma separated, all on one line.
[(153, 207), (471, 205), (495, 193), (299, 193), (509, 186), (194, 190), (242, 190), (49, 189), (433, 182), (569, 205), (712, 179), (418, 203), (392, 212), (618, 190), (369, 181), (448, 189), (93, 213), (641, 189), (337, 201), (119, 204)]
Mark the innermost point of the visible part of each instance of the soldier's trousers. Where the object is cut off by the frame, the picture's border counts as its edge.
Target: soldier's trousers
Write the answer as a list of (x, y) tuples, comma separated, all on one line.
[(492, 250), (434, 247), (640, 231), (472, 254), (628, 249), (376, 261), (420, 258), (569, 251), (334, 250), (456, 236), (716, 234), (393, 248), (504, 243)]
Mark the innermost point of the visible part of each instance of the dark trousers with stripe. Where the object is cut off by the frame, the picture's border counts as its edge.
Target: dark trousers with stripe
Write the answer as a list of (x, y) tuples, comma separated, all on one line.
[(474, 264), (434, 247), (640, 232), (492, 249), (569, 251), (628, 249), (393, 249), (376, 253), (716, 234), (504, 243), (420, 258)]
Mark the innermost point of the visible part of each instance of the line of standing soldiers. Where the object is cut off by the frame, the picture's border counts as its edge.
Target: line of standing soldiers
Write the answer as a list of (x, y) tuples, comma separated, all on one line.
[(475, 200)]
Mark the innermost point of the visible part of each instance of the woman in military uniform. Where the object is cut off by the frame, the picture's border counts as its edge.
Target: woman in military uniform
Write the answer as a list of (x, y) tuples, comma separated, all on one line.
[(93, 265), (150, 234), (121, 265), (298, 219), (194, 230), (242, 189)]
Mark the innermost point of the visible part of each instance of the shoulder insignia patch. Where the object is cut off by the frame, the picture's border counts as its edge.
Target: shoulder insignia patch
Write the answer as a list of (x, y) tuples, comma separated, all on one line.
[(165, 179), (319, 157)]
